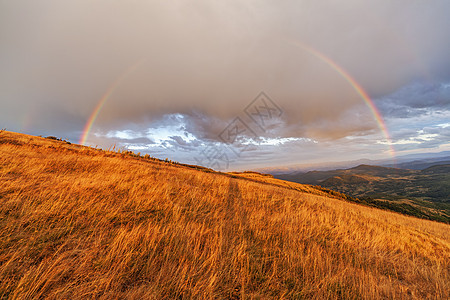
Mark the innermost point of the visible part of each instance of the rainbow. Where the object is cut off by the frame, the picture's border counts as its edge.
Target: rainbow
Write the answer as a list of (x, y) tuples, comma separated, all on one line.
[(362, 93), (90, 122), (26, 121), (357, 87)]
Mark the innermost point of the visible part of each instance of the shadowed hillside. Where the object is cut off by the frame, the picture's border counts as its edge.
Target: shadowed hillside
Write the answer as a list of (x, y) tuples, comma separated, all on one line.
[(77, 223)]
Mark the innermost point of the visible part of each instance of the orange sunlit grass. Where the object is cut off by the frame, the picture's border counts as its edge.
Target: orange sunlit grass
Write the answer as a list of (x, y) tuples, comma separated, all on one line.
[(81, 223)]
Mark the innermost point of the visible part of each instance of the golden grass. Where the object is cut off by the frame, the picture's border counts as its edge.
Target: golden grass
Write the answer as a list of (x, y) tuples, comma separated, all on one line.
[(79, 223)]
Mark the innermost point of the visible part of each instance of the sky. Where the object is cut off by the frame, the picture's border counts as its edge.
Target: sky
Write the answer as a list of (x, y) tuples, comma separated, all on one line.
[(230, 85)]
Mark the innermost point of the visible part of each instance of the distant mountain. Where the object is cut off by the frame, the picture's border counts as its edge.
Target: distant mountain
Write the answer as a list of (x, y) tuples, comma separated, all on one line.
[(424, 156), (421, 164), (316, 177), (417, 161), (303, 168), (427, 189), (377, 170)]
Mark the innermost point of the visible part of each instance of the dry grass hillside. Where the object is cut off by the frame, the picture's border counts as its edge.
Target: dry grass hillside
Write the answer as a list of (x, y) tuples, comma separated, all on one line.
[(80, 223)]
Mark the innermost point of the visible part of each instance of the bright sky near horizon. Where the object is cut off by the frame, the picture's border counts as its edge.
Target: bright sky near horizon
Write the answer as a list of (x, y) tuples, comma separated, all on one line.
[(230, 84)]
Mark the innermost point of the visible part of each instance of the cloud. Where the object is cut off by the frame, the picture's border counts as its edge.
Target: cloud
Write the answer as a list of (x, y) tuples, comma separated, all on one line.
[(214, 56), (207, 60), (416, 98)]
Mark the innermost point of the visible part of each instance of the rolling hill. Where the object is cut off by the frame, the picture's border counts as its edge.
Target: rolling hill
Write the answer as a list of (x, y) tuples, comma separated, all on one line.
[(422, 193), (78, 222)]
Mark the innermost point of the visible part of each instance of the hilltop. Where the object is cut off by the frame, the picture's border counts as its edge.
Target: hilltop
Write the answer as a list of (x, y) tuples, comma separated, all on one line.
[(78, 222)]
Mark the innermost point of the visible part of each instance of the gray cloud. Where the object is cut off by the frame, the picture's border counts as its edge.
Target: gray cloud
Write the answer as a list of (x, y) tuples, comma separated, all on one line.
[(415, 99), (207, 60)]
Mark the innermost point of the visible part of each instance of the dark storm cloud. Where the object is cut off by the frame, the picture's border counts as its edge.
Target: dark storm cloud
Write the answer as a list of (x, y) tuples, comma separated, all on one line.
[(214, 57), (415, 99), (180, 142)]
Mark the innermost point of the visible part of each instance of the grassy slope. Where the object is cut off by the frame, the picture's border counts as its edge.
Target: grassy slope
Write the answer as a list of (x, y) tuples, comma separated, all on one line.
[(79, 223)]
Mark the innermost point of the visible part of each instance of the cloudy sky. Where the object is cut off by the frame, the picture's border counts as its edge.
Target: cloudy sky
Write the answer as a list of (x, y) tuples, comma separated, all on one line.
[(230, 84)]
